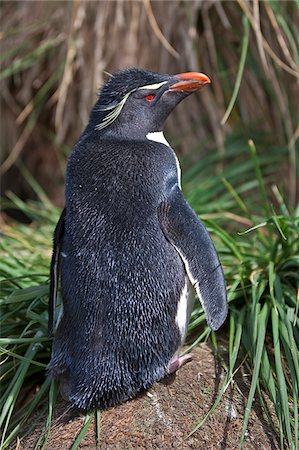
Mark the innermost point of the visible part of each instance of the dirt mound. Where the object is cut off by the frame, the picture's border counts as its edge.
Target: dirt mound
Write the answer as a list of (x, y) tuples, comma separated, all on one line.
[(163, 417)]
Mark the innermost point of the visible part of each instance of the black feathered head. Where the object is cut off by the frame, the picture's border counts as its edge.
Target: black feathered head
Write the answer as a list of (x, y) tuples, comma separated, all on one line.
[(120, 86), (126, 81), (141, 100)]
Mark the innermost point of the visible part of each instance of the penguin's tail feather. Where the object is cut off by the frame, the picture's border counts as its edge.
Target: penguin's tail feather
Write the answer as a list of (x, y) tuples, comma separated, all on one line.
[(105, 388), (102, 380)]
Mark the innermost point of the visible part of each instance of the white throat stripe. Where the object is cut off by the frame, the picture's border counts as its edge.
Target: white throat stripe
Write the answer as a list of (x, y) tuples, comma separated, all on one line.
[(157, 136)]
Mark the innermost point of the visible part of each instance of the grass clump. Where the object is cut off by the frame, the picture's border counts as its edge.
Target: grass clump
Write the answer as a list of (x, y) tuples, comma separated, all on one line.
[(261, 267), (262, 272), (24, 345)]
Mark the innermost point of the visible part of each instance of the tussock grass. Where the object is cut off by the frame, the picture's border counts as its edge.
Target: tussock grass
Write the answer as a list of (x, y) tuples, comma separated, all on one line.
[(24, 345), (261, 267)]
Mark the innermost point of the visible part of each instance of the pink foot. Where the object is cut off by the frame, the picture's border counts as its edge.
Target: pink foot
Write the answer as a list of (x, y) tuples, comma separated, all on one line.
[(177, 362)]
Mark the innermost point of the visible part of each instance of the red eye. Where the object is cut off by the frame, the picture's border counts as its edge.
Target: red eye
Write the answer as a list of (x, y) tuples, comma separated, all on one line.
[(150, 97)]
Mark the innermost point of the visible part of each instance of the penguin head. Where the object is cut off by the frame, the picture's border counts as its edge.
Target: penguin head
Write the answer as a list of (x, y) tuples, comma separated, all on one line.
[(135, 102)]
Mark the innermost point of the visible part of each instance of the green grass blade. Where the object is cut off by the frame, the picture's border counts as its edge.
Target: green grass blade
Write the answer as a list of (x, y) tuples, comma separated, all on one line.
[(236, 338), (22, 416), (5, 351), (53, 392), (200, 338), (259, 177), (261, 332), (22, 340), (11, 394), (236, 196), (83, 431), (285, 413), (98, 428), (244, 51), (30, 59)]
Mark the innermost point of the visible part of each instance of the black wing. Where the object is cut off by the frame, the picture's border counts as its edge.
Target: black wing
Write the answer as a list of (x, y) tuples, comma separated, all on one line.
[(186, 233), (54, 270)]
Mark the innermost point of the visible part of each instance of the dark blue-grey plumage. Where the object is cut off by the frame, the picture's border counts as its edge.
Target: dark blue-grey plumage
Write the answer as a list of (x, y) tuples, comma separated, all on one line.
[(129, 242), (125, 81)]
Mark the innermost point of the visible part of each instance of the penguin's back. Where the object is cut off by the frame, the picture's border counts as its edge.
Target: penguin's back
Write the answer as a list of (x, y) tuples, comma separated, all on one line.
[(121, 279)]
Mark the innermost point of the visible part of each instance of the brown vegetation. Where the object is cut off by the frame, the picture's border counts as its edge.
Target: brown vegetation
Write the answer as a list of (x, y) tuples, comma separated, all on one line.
[(55, 55)]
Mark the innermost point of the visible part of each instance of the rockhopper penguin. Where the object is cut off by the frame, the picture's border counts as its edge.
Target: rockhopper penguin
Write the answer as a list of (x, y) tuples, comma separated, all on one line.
[(128, 246)]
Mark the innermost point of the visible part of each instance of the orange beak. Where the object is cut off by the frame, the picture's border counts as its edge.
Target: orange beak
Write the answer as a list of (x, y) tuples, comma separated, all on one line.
[(192, 81)]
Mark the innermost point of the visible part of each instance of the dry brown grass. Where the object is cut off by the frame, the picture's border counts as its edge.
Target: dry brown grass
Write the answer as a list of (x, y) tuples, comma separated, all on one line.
[(55, 54)]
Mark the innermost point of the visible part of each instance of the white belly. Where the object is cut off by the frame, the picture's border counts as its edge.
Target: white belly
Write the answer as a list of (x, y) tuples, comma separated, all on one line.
[(185, 306)]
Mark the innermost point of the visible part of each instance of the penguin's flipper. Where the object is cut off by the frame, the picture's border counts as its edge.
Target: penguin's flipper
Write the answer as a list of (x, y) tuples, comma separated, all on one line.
[(186, 233), (54, 270)]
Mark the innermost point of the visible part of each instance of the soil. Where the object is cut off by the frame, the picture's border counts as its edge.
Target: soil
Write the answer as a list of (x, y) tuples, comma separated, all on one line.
[(163, 417)]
